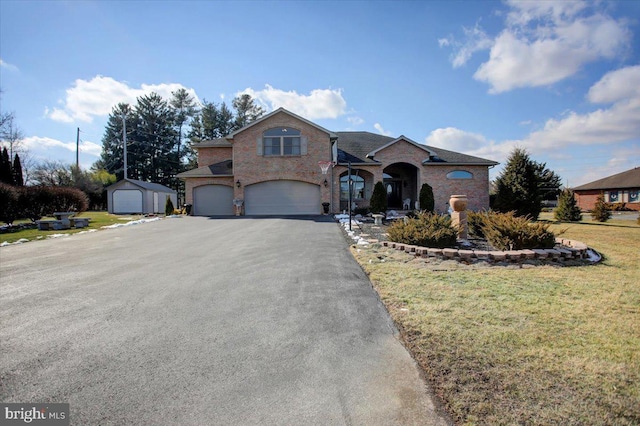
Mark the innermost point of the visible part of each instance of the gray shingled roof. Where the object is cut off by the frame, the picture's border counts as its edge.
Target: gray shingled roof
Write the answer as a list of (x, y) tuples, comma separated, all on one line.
[(147, 185), (223, 168), (356, 145), (628, 179), (219, 142)]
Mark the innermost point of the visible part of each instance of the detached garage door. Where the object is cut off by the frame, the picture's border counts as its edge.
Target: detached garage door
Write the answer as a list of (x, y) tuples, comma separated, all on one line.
[(127, 201), (213, 200), (282, 197)]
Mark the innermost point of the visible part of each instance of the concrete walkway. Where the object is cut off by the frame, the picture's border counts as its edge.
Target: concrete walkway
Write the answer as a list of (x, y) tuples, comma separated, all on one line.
[(200, 321)]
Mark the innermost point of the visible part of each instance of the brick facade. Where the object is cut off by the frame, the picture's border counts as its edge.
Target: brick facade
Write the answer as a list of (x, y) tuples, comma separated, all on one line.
[(250, 167)]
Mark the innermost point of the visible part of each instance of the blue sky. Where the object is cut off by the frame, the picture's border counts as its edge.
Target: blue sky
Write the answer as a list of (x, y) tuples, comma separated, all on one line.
[(561, 79)]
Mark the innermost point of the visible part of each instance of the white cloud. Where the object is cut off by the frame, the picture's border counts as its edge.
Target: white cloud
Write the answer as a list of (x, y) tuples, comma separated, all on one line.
[(355, 121), (380, 130), (616, 85), (454, 139), (87, 99), (40, 144), (542, 43), (8, 66), (319, 104)]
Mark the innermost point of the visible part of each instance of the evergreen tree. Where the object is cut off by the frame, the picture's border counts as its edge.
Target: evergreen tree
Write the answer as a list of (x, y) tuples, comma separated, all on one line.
[(567, 210), (17, 171), (427, 201), (378, 203), (518, 188), (112, 156), (6, 174), (246, 110), (168, 207), (601, 211), (184, 109)]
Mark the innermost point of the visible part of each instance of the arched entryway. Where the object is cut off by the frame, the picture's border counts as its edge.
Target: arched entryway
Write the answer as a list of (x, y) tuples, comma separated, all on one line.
[(401, 182)]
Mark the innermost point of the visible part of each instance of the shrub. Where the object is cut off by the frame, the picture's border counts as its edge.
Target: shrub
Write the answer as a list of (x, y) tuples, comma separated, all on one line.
[(506, 231), (67, 199), (378, 203), (35, 202), (601, 212), (567, 210), (475, 221), (168, 207), (361, 210), (427, 202), (9, 204), (427, 230)]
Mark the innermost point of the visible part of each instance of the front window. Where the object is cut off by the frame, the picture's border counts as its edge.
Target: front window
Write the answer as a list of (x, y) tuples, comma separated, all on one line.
[(281, 141), (357, 188), (633, 196), (613, 197), (459, 174)]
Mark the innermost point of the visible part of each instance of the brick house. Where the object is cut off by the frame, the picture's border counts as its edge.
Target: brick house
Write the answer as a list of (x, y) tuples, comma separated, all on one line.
[(272, 165), (617, 189)]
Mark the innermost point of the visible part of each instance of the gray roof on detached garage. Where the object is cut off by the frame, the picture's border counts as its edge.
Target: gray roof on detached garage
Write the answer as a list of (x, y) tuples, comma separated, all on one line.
[(145, 185), (628, 179), (223, 168), (355, 146)]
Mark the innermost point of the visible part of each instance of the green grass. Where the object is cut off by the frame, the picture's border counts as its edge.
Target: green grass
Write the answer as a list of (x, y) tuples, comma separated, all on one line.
[(97, 221), (543, 345)]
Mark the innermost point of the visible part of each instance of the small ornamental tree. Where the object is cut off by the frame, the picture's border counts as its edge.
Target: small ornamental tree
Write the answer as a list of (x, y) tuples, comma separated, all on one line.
[(601, 212), (378, 202), (427, 202), (9, 204), (168, 207), (567, 210)]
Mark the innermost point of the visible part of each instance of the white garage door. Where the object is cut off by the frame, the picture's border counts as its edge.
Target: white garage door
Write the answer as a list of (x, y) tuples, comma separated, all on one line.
[(127, 201), (282, 197), (213, 200)]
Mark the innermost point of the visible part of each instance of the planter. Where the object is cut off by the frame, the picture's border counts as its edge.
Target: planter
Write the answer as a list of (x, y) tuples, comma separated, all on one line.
[(325, 208), (458, 203)]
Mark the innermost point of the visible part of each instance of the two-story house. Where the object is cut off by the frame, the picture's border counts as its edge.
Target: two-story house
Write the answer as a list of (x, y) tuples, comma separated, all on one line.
[(272, 165)]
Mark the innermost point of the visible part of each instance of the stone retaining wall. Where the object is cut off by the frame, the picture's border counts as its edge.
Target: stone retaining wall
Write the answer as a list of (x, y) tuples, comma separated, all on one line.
[(566, 250)]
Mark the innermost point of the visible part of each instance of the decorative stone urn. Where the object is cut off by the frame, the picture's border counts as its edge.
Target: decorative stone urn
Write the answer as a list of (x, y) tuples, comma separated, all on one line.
[(458, 203), (459, 215)]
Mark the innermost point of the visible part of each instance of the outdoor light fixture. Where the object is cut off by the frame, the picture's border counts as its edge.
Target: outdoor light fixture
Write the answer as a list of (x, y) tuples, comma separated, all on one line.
[(238, 183), (326, 183)]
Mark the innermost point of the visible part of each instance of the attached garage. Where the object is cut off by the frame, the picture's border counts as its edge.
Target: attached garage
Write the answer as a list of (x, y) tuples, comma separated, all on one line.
[(213, 200), (135, 196), (282, 197)]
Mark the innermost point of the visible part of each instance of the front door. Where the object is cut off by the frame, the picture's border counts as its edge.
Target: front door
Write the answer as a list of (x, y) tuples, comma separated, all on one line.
[(394, 194)]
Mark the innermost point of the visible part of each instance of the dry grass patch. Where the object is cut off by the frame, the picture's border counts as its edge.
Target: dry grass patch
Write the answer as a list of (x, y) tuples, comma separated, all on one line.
[(538, 345)]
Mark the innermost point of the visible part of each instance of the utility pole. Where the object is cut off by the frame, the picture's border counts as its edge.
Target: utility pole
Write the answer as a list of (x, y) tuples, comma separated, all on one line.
[(124, 140), (78, 149), (350, 186)]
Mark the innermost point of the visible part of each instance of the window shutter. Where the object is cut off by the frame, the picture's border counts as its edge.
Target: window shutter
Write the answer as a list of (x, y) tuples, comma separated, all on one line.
[(303, 145), (259, 145)]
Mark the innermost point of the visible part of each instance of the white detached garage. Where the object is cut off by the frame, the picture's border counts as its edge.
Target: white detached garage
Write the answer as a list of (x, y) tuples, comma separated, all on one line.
[(135, 196)]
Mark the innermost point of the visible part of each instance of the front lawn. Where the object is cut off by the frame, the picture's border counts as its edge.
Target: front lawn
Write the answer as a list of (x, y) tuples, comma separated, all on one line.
[(97, 221), (538, 345)]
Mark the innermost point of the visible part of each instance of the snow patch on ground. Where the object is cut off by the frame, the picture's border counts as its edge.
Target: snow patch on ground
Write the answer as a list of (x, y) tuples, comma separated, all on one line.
[(20, 241), (131, 223), (344, 221)]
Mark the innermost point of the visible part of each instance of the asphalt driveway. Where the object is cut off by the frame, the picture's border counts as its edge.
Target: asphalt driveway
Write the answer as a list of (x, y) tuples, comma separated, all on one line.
[(200, 321)]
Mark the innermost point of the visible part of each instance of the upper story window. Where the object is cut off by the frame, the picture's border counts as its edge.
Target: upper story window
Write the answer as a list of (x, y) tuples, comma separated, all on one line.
[(459, 174), (281, 141)]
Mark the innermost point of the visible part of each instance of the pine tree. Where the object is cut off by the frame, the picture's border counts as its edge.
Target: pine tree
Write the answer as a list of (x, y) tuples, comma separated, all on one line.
[(247, 110), (112, 156), (378, 203), (18, 180), (518, 186), (168, 207), (567, 210), (427, 202), (6, 174), (601, 212)]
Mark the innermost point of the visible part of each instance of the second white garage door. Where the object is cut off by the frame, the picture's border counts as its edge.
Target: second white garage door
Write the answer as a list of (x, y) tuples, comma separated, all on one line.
[(213, 200), (127, 201), (282, 197)]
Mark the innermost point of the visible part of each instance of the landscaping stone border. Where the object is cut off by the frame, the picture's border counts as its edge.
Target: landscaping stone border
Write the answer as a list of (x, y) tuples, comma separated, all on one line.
[(568, 250)]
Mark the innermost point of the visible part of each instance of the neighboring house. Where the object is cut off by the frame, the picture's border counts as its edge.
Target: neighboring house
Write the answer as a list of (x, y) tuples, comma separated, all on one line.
[(136, 196), (272, 166), (619, 188)]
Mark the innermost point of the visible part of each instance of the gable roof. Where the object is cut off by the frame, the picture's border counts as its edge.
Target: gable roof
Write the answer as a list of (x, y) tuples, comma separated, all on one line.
[(361, 147), (628, 179), (281, 110), (145, 185), (223, 168)]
